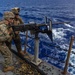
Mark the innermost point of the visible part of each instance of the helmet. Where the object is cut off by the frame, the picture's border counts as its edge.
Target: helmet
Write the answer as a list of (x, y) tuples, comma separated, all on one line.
[(15, 10), (8, 15)]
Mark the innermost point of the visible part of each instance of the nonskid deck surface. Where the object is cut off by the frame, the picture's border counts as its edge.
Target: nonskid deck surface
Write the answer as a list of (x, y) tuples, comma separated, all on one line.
[(50, 69), (47, 68), (21, 68), (1, 67)]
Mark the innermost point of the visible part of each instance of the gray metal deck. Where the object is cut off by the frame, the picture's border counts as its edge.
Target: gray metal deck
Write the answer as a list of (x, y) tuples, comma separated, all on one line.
[(45, 67), (48, 68), (21, 67), (1, 67)]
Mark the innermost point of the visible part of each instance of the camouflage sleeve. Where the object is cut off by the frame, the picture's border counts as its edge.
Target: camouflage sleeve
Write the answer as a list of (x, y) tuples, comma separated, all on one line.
[(4, 30), (21, 21)]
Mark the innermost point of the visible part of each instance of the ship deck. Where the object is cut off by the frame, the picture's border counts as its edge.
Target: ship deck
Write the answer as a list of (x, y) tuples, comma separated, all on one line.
[(24, 68)]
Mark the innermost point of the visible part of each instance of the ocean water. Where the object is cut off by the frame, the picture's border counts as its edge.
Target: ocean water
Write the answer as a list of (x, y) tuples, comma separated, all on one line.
[(57, 11)]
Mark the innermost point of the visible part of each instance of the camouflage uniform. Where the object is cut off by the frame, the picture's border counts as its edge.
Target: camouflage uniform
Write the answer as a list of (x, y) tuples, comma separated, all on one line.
[(17, 36), (4, 50), (5, 34), (16, 39)]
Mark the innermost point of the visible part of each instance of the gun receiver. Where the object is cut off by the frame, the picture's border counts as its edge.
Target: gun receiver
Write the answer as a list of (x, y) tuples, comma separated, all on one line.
[(37, 28), (34, 27)]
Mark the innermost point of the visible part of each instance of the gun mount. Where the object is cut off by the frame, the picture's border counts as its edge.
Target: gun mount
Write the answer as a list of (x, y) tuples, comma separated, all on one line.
[(36, 29)]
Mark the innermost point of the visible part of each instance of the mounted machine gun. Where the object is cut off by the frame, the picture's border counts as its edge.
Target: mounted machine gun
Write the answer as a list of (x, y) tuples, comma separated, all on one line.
[(36, 28)]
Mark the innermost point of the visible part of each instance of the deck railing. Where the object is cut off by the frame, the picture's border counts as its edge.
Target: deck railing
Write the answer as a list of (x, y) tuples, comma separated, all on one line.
[(36, 49)]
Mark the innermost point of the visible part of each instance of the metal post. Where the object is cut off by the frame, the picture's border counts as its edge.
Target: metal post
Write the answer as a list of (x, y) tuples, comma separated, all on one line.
[(50, 25), (36, 48), (68, 56), (45, 19), (26, 41)]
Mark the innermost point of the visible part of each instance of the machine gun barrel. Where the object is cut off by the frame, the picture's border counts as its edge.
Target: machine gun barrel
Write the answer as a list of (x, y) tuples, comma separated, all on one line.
[(60, 23)]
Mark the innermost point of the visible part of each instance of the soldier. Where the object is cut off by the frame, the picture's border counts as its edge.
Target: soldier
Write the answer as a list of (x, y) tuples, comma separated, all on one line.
[(16, 39), (6, 35), (17, 20)]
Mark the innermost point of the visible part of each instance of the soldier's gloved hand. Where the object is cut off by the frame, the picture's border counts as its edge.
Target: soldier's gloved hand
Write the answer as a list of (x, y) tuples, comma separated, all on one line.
[(9, 39), (17, 32), (10, 31)]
